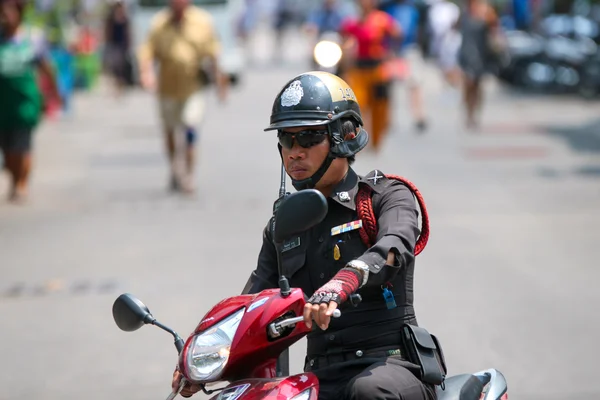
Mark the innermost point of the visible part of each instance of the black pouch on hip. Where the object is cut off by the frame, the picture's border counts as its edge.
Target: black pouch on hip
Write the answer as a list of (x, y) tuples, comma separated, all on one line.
[(424, 350)]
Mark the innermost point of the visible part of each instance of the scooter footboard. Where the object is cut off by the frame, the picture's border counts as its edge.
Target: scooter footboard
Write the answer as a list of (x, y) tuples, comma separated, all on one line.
[(495, 387), (297, 387)]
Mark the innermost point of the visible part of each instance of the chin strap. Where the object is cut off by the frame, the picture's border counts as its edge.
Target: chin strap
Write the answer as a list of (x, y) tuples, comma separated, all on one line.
[(310, 183)]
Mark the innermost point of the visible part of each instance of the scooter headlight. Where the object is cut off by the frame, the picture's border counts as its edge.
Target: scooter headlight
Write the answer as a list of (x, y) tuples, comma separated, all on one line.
[(208, 353), (327, 54), (306, 395)]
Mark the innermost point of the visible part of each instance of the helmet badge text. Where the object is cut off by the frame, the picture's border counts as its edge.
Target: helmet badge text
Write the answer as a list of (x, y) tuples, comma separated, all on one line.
[(292, 95)]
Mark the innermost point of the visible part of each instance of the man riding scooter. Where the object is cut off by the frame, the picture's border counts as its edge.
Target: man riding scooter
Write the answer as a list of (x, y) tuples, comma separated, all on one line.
[(359, 355)]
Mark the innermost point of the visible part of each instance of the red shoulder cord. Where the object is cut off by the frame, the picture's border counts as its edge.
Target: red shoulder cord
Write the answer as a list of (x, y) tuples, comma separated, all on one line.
[(364, 207)]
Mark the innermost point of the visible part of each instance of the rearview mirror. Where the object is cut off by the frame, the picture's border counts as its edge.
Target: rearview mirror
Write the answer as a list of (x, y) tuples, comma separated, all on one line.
[(299, 212), (130, 313)]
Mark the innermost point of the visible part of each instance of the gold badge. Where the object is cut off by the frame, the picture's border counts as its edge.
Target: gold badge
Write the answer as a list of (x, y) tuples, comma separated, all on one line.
[(336, 253)]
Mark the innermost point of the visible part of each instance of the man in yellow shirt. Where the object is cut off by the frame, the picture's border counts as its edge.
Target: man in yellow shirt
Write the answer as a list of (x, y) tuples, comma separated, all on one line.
[(181, 38)]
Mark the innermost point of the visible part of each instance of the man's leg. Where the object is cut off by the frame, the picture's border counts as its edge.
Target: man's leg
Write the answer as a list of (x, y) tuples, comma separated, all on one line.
[(380, 106), (416, 67), (333, 379), (188, 184), (170, 111), (190, 154), (471, 88), (388, 380), (356, 79), (416, 105), (11, 165), (18, 161), (192, 116), (171, 147), (7, 161)]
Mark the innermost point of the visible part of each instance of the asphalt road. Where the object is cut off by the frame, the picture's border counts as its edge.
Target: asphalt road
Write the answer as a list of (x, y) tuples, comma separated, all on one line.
[(508, 280)]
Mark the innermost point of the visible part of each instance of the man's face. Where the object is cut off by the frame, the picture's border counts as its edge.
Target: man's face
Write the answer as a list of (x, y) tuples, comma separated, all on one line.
[(119, 10), (302, 162), (179, 6), (9, 16), (367, 5)]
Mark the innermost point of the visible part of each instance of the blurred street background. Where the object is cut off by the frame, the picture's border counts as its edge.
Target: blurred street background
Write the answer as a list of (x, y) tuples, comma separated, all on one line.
[(509, 278)]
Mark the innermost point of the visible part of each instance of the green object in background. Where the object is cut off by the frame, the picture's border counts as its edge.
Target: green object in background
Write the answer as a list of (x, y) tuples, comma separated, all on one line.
[(87, 70), (21, 100), (62, 31)]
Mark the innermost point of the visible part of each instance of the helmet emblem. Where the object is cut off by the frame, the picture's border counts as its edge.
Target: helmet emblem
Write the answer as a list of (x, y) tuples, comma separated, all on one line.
[(292, 95)]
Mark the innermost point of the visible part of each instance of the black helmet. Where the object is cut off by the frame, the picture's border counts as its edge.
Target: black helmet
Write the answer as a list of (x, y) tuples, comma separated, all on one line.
[(319, 98)]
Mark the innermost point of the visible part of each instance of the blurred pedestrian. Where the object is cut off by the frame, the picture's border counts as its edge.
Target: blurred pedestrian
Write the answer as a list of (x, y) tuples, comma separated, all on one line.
[(445, 38), (326, 18), (23, 54), (324, 23), (478, 24), (181, 38), (246, 24), (370, 35), (117, 37), (408, 54), (285, 14), (247, 20)]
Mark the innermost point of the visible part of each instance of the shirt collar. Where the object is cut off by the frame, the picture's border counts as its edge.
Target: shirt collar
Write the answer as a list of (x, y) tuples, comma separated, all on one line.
[(345, 191)]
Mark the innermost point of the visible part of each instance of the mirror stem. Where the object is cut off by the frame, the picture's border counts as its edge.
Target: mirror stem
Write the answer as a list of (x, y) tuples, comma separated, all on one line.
[(284, 285), (178, 340), (179, 343)]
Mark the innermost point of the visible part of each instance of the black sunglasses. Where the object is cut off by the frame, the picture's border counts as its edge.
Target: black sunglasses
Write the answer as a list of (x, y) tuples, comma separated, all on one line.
[(305, 139)]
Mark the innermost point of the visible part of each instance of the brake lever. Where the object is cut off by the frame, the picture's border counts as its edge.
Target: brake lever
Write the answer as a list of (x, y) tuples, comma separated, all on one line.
[(292, 321), (172, 395)]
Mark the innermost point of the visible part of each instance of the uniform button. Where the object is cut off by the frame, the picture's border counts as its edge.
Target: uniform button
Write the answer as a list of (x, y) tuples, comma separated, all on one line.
[(331, 337), (321, 239), (359, 353), (312, 363), (322, 275)]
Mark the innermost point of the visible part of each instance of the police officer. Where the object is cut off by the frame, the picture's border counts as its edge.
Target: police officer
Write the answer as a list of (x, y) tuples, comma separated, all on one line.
[(359, 355)]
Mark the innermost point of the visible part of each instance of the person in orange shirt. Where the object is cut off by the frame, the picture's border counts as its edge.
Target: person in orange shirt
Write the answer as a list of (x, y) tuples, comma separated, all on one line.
[(369, 36)]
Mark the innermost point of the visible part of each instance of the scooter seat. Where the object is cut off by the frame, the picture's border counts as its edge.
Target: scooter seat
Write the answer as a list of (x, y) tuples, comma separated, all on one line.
[(460, 387)]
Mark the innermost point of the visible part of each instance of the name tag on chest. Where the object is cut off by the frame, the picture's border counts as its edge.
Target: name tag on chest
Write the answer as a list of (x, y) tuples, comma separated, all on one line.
[(289, 245), (347, 227)]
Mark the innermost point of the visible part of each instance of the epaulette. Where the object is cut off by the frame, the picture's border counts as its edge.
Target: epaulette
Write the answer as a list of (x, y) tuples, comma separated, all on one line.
[(377, 180)]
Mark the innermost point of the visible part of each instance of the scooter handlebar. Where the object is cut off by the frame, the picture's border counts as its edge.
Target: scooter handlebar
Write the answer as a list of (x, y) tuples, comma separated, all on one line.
[(275, 328)]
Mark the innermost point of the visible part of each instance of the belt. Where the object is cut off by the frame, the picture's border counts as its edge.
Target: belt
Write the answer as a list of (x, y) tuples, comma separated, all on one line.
[(353, 338), (368, 62), (336, 358)]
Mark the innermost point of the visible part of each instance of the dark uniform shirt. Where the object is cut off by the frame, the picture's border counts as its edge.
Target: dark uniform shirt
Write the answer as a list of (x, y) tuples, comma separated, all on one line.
[(308, 261)]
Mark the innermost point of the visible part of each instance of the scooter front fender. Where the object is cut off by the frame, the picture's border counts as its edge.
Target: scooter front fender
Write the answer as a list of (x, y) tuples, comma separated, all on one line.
[(272, 389)]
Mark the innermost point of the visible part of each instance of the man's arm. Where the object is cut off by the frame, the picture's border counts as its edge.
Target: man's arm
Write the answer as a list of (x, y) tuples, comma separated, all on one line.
[(265, 276), (213, 51), (146, 55), (397, 235), (396, 239), (311, 26), (395, 32)]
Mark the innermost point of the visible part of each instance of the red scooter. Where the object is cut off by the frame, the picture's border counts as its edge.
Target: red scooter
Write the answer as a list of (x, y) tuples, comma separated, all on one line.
[(240, 339)]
